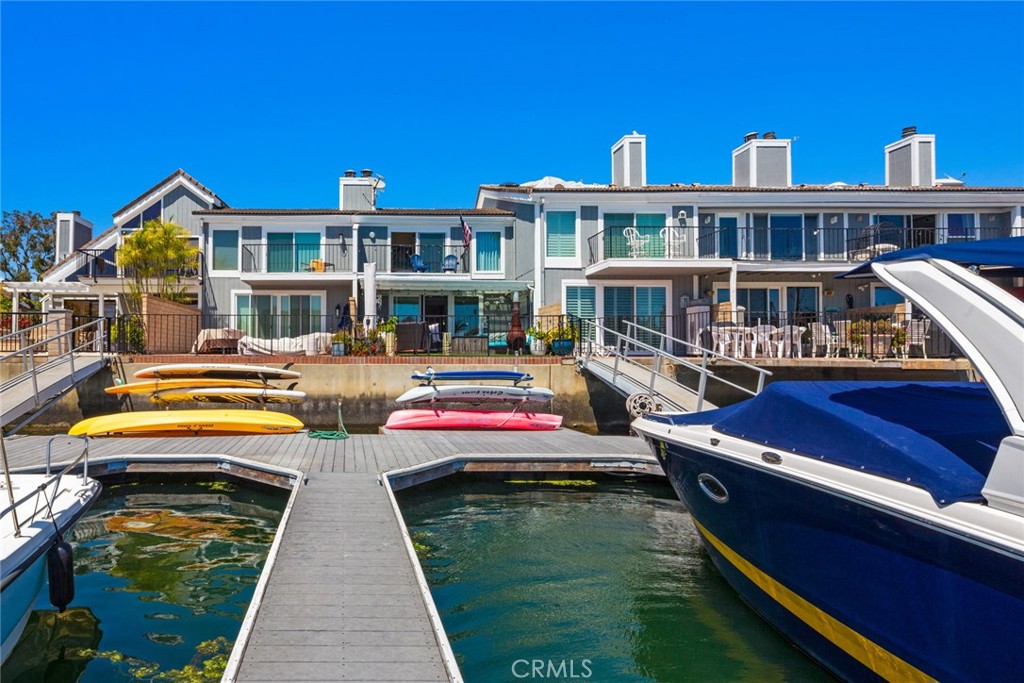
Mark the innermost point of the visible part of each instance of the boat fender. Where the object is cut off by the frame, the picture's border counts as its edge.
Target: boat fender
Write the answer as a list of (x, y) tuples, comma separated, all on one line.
[(60, 566)]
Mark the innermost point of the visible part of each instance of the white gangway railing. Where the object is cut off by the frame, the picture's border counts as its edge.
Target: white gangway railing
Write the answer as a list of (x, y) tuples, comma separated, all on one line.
[(619, 350)]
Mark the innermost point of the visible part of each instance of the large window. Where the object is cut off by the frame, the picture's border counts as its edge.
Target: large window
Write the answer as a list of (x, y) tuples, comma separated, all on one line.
[(648, 225), (407, 308), (272, 316), (225, 250), (885, 296), (488, 251), (561, 234), (760, 303), (289, 252), (467, 316), (961, 227)]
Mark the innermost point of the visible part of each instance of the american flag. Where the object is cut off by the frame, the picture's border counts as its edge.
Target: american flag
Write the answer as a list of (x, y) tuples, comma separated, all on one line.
[(467, 234)]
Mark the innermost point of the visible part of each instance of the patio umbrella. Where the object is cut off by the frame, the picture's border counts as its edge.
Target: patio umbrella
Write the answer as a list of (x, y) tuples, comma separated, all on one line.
[(370, 295)]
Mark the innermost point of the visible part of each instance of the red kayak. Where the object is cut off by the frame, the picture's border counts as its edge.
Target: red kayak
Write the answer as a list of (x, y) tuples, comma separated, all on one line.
[(472, 419)]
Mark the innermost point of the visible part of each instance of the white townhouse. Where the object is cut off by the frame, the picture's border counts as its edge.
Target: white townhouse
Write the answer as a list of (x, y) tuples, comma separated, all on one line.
[(633, 249)]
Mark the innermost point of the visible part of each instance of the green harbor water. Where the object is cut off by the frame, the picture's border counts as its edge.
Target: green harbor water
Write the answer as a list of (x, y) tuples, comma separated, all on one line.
[(598, 582), (164, 573)]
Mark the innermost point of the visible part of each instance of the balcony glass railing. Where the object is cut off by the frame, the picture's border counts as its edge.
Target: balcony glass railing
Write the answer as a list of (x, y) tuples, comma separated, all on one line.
[(814, 244)]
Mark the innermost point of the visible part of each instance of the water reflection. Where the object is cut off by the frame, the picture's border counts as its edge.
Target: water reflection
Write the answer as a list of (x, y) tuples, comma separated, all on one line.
[(613, 574), (168, 569)]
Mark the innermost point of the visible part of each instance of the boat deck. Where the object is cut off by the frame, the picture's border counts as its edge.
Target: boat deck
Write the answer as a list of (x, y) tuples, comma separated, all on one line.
[(343, 602)]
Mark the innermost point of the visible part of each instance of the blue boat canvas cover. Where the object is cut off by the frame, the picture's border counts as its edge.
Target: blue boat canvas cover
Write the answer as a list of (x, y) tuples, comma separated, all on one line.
[(940, 436), (1005, 254)]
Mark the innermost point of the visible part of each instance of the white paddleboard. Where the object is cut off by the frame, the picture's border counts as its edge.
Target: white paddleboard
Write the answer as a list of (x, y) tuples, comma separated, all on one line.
[(216, 370), (475, 393), (228, 395)]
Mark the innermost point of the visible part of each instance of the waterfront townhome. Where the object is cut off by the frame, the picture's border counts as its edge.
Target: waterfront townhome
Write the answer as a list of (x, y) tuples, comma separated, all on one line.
[(663, 252)]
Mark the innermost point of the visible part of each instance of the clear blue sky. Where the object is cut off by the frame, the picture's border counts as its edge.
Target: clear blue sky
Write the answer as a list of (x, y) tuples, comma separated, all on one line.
[(268, 103)]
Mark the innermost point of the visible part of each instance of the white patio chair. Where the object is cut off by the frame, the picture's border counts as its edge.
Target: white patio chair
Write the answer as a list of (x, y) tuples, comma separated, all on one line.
[(790, 337), (761, 336), (721, 340), (841, 339), (821, 336), (636, 242), (917, 334)]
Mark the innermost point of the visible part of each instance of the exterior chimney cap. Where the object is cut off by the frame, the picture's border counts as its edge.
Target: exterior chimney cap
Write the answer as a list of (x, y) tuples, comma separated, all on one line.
[(909, 130), (350, 174), (366, 173), (770, 135), (750, 136)]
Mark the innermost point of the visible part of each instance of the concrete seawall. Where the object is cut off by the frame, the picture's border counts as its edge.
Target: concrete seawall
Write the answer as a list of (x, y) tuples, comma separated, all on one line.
[(367, 388)]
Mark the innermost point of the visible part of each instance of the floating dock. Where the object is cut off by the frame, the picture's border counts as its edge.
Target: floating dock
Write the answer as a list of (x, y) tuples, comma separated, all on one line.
[(345, 599)]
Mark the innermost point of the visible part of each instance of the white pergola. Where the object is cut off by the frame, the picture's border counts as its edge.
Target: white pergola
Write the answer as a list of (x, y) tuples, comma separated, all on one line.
[(47, 289)]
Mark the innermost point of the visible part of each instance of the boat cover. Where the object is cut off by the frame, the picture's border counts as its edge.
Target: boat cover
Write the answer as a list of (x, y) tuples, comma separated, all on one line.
[(941, 436), (1006, 252)]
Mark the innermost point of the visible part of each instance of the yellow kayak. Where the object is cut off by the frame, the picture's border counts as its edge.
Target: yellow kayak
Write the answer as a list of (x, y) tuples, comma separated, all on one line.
[(188, 423), (154, 385)]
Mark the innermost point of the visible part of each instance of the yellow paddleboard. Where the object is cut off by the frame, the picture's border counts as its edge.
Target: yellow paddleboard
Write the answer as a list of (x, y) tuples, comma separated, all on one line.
[(151, 386), (188, 423)]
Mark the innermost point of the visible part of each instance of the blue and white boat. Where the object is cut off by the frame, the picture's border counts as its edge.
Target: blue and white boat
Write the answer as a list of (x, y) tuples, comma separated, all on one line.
[(40, 510), (879, 525)]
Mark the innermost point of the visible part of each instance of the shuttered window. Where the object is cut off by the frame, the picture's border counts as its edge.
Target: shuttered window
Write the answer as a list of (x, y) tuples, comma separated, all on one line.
[(581, 301), (561, 234)]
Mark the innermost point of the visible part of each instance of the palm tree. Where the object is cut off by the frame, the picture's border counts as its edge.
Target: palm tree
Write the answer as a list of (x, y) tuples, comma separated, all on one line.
[(155, 258)]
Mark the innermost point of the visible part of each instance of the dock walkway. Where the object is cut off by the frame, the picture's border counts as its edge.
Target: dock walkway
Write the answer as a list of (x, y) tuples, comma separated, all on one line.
[(342, 602)]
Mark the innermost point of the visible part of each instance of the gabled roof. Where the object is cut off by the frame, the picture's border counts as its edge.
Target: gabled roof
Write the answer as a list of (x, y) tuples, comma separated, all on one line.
[(177, 174)]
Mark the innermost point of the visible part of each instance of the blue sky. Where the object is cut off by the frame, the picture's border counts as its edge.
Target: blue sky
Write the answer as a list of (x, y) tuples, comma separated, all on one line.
[(268, 104)]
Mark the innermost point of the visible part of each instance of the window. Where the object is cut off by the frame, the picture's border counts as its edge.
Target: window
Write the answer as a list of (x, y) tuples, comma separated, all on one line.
[(272, 316), (786, 241), (760, 303), (961, 227), (561, 234), (225, 250), (467, 316), (581, 302), (407, 308), (291, 252), (885, 296), (488, 251), (648, 225)]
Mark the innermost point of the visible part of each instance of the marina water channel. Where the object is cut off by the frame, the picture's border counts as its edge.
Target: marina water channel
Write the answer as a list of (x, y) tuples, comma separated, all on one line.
[(584, 579)]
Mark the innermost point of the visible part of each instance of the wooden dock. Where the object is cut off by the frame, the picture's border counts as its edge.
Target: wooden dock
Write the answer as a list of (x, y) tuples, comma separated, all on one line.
[(342, 602)]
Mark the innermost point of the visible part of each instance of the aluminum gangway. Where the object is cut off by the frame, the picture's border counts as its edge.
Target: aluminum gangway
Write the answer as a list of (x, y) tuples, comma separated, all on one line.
[(48, 363), (641, 364)]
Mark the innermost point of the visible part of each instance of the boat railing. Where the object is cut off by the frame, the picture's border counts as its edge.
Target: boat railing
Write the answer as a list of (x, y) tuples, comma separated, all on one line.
[(52, 480)]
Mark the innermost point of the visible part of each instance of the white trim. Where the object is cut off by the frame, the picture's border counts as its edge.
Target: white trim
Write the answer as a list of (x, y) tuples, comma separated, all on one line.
[(159, 193)]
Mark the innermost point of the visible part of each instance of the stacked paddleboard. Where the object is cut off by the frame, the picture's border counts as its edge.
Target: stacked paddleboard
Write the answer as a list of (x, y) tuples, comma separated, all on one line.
[(201, 383), (512, 391)]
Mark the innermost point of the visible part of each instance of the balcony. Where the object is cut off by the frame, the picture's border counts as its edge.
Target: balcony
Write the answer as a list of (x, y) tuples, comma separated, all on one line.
[(292, 257), (626, 245), (101, 264), (425, 259)]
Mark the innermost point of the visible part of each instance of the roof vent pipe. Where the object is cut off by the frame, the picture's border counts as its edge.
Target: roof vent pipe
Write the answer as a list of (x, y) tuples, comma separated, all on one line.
[(750, 136), (350, 174), (909, 130), (366, 173), (770, 135)]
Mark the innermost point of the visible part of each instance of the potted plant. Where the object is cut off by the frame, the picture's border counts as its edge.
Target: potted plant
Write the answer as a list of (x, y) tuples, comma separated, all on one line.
[(386, 328), (340, 343), (562, 342), (539, 340)]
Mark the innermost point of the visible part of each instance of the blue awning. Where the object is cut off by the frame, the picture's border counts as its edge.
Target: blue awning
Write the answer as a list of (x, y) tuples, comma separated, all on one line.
[(941, 436), (1005, 256)]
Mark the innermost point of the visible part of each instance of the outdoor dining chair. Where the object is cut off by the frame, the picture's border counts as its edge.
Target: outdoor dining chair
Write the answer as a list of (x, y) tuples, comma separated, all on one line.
[(841, 339), (821, 336), (636, 242), (761, 336), (790, 337), (917, 334)]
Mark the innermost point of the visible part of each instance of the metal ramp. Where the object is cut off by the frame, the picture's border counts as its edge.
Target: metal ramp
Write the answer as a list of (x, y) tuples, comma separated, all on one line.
[(50, 367), (636, 363)]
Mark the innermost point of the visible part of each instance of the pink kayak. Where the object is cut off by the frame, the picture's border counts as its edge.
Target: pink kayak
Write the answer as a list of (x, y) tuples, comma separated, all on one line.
[(472, 419)]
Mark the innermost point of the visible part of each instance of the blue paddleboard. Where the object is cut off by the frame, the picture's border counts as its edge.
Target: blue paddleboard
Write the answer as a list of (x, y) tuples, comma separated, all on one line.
[(469, 375)]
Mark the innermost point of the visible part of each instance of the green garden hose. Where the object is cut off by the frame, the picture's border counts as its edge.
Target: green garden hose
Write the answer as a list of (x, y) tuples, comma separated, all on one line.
[(342, 433)]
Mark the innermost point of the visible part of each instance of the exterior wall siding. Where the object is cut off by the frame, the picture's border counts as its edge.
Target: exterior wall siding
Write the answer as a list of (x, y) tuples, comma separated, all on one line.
[(741, 169), (636, 163), (179, 204), (927, 172), (618, 166), (899, 167), (772, 167)]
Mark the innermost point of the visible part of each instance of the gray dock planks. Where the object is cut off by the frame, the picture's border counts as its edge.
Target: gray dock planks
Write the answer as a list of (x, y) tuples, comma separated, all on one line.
[(342, 602)]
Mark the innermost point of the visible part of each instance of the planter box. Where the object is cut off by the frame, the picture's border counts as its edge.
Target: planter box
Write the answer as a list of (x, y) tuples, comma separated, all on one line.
[(562, 347)]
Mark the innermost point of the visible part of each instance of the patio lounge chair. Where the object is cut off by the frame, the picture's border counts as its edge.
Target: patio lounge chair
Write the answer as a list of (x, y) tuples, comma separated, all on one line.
[(451, 263), (416, 261)]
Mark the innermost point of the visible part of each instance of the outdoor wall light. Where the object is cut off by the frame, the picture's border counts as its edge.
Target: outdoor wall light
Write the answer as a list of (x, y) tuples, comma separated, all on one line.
[(371, 235), (337, 311), (833, 220)]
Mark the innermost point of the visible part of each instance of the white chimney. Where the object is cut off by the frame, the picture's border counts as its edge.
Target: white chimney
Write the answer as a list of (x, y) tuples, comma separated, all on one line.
[(765, 162), (358, 193), (910, 161), (629, 161), (72, 231)]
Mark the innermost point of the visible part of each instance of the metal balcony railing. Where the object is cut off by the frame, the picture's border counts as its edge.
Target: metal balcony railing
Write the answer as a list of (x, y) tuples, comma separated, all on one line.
[(807, 243), (408, 258), (291, 257), (102, 263)]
